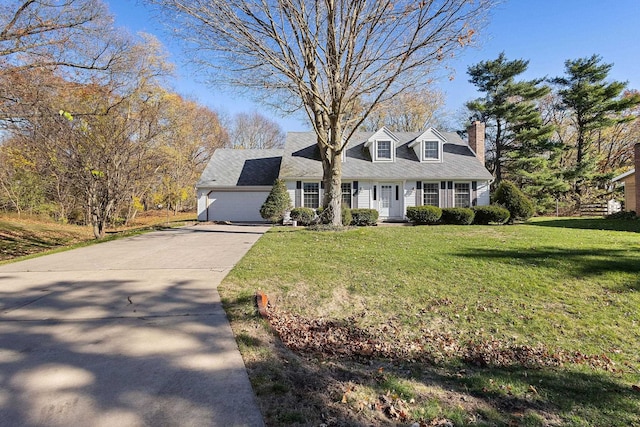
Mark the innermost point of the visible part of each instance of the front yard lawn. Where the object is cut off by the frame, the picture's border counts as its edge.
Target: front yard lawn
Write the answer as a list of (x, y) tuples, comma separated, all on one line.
[(535, 324)]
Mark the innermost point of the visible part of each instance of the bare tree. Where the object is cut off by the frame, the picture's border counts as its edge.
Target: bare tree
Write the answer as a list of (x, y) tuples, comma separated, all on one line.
[(336, 59), (253, 130), (51, 33), (410, 111)]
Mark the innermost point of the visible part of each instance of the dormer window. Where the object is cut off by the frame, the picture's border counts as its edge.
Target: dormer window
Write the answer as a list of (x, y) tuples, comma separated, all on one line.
[(383, 150), (382, 146), (431, 150), (429, 146)]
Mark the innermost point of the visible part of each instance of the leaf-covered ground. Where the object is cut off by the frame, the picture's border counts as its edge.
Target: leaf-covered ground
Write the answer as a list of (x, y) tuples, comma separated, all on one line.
[(29, 235), (20, 237), (525, 325)]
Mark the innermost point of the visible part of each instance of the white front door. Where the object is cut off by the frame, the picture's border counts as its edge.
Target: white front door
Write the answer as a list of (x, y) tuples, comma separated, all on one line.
[(386, 200)]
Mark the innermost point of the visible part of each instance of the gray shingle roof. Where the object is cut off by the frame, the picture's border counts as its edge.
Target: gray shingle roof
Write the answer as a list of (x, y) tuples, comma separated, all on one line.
[(229, 167), (302, 159)]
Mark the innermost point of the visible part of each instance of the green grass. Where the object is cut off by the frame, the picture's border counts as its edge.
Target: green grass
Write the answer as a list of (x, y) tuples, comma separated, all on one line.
[(571, 285)]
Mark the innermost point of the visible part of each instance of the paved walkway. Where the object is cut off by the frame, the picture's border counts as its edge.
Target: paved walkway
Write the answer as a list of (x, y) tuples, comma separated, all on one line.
[(125, 333)]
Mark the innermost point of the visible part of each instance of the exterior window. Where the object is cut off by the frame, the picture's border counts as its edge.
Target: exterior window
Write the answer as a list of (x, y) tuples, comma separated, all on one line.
[(462, 195), (431, 194), (346, 194), (384, 150), (311, 195), (431, 151)]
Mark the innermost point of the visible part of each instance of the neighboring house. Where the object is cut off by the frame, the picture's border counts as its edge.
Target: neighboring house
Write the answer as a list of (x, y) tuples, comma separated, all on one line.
[(631, 182), (383, 170)]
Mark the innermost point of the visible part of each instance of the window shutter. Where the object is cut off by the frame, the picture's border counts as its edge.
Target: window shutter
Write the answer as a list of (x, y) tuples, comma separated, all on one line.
[(298, 195), (418, 185), (474, 193), (375, 192)]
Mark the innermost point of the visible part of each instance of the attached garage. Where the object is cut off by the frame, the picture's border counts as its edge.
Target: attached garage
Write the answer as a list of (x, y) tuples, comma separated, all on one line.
[(236, 205), (235, 184)]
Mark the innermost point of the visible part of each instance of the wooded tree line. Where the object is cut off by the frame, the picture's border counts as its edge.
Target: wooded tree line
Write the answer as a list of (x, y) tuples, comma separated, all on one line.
[(559, 139), (89, 132)]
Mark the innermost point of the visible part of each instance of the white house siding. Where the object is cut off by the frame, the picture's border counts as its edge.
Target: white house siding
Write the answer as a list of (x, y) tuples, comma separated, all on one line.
[(236, 205), (291, 189), (483, 193), (202, 204), (364, 195), (410, 191)]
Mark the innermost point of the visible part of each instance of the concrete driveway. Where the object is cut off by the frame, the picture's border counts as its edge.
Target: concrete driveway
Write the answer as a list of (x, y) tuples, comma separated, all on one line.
[(125, 333)]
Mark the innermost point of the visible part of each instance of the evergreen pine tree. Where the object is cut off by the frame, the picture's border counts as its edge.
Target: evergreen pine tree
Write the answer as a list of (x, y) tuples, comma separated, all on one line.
[(593, 103), (277, 203), (518, 139)]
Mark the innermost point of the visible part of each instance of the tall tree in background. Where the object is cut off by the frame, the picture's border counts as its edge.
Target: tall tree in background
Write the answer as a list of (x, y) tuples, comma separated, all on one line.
[(96, 139), (336, 59), (88, 133), (190, 135), (253, 130), (516, 135), (37, 33), (614, 145), (593, 105), (410, 111)]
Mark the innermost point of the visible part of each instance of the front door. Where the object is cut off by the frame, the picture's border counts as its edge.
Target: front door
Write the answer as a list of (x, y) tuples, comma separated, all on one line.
[(386, 200)]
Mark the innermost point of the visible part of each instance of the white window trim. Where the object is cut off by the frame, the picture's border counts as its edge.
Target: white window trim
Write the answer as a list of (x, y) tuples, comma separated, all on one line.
[(430, 159), (319, 193), (342, 193), (470, 192), (391, 149), (437, 184)]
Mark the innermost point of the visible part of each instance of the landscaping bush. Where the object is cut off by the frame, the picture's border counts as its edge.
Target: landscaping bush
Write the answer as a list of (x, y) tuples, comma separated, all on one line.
[(490, 214), (364, 217), (623, 215), (346, 216), (324, 219), (517, 203), (457, 216), (304, 216), (424, 214), (277, 203)]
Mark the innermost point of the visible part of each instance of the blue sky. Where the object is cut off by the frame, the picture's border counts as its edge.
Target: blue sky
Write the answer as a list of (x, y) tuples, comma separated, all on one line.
[(545, 32)]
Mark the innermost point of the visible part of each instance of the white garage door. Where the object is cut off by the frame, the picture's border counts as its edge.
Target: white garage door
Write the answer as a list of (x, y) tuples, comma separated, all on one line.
[(236, 205)]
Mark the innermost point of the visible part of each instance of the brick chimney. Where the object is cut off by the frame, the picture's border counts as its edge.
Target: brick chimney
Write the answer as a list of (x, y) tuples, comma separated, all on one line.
[(475, 134), (636, 155)]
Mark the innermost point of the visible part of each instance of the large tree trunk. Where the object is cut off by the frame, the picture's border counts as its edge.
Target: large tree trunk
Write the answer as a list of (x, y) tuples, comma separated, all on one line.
[(332, 178)]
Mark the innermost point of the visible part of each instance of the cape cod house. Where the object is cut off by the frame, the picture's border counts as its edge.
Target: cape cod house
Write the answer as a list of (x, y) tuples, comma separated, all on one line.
[(383, 170)]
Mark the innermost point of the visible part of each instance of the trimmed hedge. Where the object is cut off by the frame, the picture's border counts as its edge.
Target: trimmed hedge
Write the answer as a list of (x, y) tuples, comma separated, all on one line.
[(364, 217), (626, 215), (346, 216), (424, 214), (457, 216), (490, 214), (304, 216), (511, 197)]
